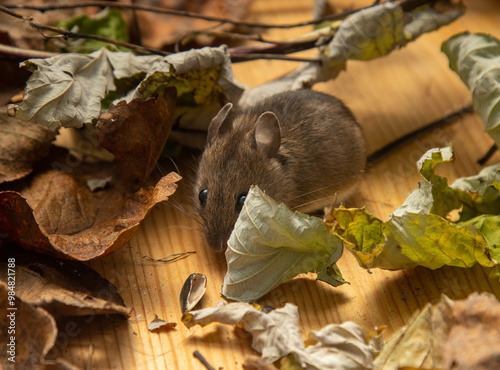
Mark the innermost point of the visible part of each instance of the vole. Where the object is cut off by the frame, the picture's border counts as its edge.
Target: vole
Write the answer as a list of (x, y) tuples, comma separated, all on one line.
[(303, 148)]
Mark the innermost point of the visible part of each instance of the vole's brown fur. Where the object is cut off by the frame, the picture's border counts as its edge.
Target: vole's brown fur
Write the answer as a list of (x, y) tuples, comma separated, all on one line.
[(321, 157)]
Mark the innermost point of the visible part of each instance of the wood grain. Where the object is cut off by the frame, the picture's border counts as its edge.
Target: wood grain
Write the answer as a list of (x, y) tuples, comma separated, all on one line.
[(390, 96)]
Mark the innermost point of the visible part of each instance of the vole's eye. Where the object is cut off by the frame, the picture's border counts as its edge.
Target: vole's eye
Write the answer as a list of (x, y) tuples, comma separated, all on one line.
[(240, 201), (203, 197)]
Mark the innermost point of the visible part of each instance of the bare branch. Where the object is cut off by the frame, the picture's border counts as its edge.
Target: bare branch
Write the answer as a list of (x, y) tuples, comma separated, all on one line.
[(17, 54), (235, 58), (179, 13), (76, 35)]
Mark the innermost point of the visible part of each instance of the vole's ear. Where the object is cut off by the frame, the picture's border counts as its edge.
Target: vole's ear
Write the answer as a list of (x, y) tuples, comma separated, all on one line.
[(268, 134), (217, 125)]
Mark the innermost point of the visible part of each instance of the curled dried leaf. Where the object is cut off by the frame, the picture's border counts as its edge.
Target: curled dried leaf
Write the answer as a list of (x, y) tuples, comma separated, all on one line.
[(158, 323), (61, 287), (276, 335), (53, 211), (21, 145), (192, 291), (270, 245), (28, 334), (449, 334), (136, 132)]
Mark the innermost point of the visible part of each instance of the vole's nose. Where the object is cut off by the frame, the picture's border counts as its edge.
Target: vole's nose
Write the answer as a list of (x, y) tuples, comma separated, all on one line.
[(218, 240)]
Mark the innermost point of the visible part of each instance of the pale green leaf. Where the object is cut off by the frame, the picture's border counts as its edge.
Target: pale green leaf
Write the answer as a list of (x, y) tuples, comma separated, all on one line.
[(474, 195), (107, 23), (370, 33), (476, 59), (417, 233), (68, 89), (489, 226), (271, 244), (367, 34), (332, 276)]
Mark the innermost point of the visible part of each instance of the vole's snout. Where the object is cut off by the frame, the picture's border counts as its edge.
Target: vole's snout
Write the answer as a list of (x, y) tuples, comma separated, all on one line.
[(217, 240)]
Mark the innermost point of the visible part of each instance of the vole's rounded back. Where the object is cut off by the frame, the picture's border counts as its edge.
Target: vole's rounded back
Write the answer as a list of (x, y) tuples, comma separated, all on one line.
[(303, 148)]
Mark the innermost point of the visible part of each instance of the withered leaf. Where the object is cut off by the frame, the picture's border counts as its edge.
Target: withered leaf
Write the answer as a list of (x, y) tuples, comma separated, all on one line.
[(34, 331), (418, 345), (450, 334), (136, 132), (53, 211), (276, 335), (158, 323), (61, 287), (21, 145)]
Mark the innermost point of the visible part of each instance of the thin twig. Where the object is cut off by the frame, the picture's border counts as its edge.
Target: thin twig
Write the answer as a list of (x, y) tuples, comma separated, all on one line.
[(202, 359), (182, 13), (76, 35), (235, 58), (378, 154), (227, 35), (405, 4), (169, 258), (18, 54), (274, 51), (486, 157), (137, 27), (281, 48)]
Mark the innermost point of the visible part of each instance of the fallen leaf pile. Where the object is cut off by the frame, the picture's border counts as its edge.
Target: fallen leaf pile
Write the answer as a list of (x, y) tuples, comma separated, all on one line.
[(46, 288), (36, 334), (276, 336), (56, 202), (53, 210), (420, 233), (61, 287)]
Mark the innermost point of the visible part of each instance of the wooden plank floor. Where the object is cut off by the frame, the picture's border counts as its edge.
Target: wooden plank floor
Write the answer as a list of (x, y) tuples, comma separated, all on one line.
[(390, 97)]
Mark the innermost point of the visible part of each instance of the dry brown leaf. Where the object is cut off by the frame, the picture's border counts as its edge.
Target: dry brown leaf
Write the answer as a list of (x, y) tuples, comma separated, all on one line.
[(136, 132), (53, 211), (158, 323), (474, 339), (21, 145), (61, 287), (34, 332), (163, 30)]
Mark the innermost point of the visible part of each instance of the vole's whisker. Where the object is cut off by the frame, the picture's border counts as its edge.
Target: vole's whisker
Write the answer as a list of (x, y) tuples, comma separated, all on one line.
[(175, 165), (311, 192), (314, 201), (185, 227), (182, 210)]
